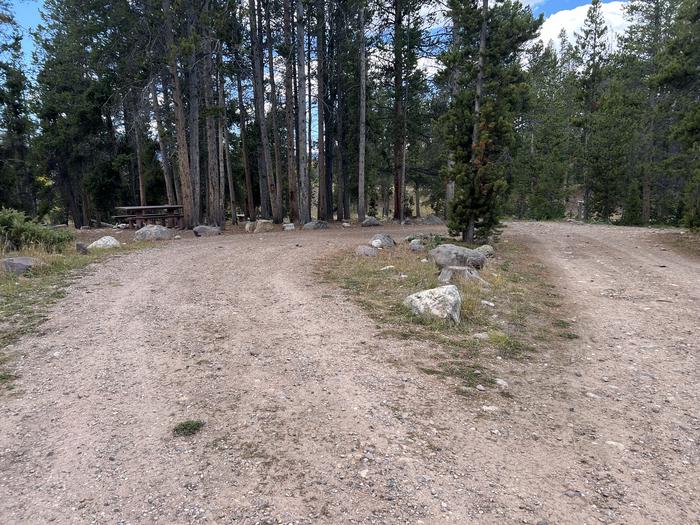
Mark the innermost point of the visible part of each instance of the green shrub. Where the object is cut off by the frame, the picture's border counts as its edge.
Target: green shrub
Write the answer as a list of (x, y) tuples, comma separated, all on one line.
[(18, 232)]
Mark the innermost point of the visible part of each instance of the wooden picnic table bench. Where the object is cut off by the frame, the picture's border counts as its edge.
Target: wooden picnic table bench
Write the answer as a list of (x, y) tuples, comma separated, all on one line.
[(137, 216)]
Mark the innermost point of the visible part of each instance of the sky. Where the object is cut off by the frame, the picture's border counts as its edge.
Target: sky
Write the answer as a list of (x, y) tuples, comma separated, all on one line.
[(566, 14)]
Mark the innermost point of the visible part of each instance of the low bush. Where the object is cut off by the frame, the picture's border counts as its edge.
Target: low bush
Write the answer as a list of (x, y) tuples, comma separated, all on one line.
[(17, 232)]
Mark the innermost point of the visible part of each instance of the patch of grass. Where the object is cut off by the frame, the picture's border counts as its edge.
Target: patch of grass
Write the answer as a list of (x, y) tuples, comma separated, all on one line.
[(561, 323), (521, 322), (188, 428), (508, 346), (568, 335)]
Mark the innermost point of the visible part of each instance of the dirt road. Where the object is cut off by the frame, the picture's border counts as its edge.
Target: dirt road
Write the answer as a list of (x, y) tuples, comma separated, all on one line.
[(311, 418)]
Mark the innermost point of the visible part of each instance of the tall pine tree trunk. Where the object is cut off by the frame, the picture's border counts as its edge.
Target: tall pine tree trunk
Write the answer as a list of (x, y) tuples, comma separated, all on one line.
[(268, 198), (399, 128), (304, 193), (289, 113), (193, 117), (224, 155), (275, 127), (162, 144), (363, 117), (245, 155), (180, 123), (214, 211), (323, 203), (468, 234)]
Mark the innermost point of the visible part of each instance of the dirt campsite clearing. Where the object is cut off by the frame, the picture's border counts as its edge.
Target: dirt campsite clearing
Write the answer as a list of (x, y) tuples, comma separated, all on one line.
[(309, 416)]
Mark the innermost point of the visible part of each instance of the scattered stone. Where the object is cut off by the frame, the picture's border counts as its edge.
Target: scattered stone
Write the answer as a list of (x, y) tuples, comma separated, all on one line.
[(451, 255), (19, 265), (487, 250), (572, 493), (371, 221), (104, 243), (482, 336), (382, 240), (488, 303), (592, 395), (424, 261), (81, 248), (433, 220), (466, 273), (366, 251), (288, 227), (443, 302), (480, 388), (347, 225), (250, 226), (85, 227), (489, 408), (615, 444), (502, 383), (363, 473), (154, 232), (263, 226), (206, 231), (386, 268), (120, 226), (316, 225), (177, 237), (416, 245)]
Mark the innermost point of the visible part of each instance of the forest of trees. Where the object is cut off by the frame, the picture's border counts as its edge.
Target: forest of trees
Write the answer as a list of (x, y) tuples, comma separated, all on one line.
[(340, 108)]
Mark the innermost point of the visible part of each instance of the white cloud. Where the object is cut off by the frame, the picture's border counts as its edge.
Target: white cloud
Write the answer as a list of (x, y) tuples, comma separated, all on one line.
[(571, 20)]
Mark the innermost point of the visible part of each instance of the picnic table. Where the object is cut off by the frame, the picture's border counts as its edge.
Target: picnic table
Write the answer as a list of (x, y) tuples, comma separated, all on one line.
[(136, 216)]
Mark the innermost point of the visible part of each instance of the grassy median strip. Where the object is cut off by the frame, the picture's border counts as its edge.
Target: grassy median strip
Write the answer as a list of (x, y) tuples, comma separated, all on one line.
[(519, 314)]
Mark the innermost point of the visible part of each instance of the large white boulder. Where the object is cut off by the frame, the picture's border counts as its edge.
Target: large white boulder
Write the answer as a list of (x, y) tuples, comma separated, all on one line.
[(451, 255), (382, 240), (443, 302), (104, 242), (206, 231), (153, 232), (264, 226)]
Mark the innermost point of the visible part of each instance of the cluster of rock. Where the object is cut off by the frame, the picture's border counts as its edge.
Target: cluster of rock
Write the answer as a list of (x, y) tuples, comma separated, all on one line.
[(445, 302), (380, 241), (206, 231)]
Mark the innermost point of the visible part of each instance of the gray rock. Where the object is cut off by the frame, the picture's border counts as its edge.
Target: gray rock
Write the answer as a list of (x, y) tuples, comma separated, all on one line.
[(206, 231), (451, 255), (416, 245), (154, 232), (366, 251), (487, 250), (371, 221), (19, 265), (433, 220), (502, 383), (249, 226), (288, 227), (347, 225), (382, 240), (104, 243), (316, 225), (263, 226), (466, 273), (443, 303), (81, 248)]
